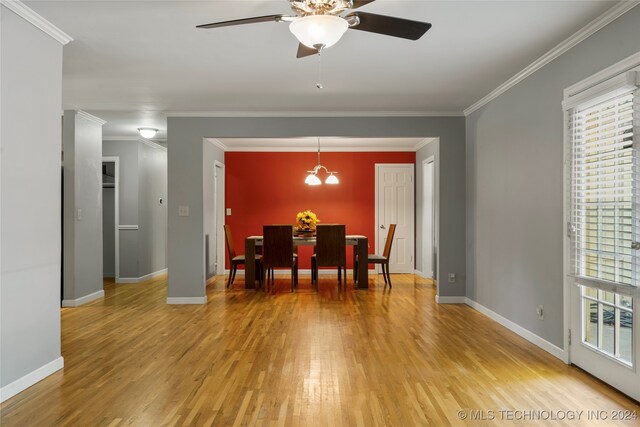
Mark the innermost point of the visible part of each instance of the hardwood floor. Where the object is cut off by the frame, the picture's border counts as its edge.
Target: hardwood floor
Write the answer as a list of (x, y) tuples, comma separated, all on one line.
[(332, 358)]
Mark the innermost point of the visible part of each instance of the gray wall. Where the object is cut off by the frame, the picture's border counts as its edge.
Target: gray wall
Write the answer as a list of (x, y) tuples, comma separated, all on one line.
[(185, 150), (152, 243), (142, 182), (514, 153), (450, 244), (30, 236), (82, 144)]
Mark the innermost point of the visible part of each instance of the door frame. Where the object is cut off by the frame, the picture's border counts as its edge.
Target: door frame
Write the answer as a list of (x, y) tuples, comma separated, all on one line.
[(116, 219), (379, 245), (219, 184), (425, 162)]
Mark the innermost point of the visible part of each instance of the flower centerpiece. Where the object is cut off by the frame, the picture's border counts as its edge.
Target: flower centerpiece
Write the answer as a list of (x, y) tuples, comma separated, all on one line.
[(306, 222)]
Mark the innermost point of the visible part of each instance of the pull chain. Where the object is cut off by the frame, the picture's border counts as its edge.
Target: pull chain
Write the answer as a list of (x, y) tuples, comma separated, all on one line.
[(319, 85)]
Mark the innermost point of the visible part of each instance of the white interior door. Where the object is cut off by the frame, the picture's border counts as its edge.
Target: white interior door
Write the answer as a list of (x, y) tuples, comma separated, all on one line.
[(395, 205), (428, 210)]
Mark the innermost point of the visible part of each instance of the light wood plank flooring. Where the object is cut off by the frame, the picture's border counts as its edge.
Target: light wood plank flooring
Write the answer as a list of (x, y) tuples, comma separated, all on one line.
[(349, 358)]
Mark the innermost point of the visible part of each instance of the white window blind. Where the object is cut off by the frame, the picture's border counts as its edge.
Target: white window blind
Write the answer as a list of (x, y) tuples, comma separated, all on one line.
[(605, 215)]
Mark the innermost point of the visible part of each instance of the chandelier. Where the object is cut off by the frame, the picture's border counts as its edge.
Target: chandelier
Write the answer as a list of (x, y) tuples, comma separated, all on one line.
[(313, 179)]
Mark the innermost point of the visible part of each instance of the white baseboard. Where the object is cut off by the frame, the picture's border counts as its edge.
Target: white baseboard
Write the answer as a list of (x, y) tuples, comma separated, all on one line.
[(322, 272), (451, 300), (30, 379), (524, 333), (421, 274), (141, 278), (186, 300), (83, 300)]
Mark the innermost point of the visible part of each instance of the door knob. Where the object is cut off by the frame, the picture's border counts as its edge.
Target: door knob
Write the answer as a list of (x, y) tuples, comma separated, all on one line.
[(382, 226)]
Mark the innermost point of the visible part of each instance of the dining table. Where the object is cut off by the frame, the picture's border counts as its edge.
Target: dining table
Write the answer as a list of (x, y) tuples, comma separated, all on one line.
[(359, 243)]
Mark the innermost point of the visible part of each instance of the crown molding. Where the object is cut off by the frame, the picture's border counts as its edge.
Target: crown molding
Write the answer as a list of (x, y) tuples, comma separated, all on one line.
[(91, 117), (149, 142), (36, 20), (591, 28), (314, 114), (218, 144), (152, 144), (424, 143)]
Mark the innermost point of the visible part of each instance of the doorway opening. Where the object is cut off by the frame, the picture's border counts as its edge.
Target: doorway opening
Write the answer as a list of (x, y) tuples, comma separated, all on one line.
[(110, 219)]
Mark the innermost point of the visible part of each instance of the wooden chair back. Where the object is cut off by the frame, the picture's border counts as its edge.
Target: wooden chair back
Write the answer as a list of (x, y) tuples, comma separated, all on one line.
[(227, 236), (389, 242), (330, 245), (277, 246)]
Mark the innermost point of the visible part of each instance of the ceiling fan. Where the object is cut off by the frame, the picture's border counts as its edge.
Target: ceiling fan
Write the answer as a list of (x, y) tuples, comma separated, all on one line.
[(318, 24)]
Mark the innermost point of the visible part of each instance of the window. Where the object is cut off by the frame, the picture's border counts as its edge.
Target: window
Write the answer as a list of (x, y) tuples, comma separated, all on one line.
[(602, 188), (605, 215), (608, 323)]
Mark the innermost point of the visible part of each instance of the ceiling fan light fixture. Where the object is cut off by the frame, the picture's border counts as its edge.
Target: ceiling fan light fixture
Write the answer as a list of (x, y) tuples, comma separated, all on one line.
[(319, 30), (147, 133)]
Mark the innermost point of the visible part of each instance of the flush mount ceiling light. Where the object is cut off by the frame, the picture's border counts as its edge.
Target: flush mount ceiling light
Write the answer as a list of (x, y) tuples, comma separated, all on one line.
[(313, 179), (147, 133), (318, 24)]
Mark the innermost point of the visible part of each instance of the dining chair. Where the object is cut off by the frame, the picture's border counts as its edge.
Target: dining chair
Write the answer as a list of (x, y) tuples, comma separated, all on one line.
[(330, 251), (383, 259), (277, 251), (237, 260)]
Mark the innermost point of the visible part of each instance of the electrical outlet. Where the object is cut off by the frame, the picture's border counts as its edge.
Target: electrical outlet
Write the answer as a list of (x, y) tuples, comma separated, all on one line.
[(452, 277), (79, 214), (540, 311), (228, 211), (183, 210)]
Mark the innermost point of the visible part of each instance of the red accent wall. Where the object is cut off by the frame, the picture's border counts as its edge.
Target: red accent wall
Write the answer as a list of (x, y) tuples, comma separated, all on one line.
[(268, 188)]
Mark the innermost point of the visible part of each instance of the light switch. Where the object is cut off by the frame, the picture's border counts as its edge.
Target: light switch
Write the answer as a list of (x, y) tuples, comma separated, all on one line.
[(228, 211), (183, 210), (79, 214)]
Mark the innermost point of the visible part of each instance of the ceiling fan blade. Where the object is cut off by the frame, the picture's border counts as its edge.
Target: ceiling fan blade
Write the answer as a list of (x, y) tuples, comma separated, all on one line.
[(305, 51), (267, 18), (360, 3), (390, 26)]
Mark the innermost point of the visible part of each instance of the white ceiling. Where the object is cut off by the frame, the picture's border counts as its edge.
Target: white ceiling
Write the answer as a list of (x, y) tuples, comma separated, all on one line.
[(133, 61)]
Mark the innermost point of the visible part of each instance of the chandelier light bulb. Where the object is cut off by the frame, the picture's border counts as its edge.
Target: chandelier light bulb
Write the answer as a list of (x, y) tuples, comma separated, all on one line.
[(313, 180), (332, 179)]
